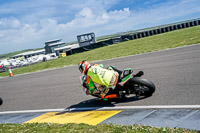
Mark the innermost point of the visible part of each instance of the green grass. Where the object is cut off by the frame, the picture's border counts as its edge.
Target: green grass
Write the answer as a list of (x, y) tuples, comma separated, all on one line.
[(84, 128), (167, 40)]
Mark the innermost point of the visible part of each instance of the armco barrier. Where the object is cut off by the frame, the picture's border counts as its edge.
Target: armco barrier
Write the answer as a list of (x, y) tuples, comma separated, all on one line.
[(140, 34)]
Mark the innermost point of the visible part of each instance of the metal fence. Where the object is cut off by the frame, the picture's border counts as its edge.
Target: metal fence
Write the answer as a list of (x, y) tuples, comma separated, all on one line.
[(140, 34)]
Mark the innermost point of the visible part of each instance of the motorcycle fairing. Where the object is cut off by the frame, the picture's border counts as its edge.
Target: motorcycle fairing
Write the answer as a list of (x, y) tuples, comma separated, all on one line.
[(125, 79)]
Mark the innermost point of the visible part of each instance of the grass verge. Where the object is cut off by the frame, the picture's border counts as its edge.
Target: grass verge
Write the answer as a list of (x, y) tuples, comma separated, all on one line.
[(167, 40), (84, 128)]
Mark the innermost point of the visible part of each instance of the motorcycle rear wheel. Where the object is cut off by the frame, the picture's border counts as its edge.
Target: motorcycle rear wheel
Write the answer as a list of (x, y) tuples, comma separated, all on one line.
[(142, 87)]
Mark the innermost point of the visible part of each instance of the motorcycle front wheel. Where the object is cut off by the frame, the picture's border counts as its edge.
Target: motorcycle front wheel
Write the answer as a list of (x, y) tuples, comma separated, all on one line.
[(141, 86), (1, 101)]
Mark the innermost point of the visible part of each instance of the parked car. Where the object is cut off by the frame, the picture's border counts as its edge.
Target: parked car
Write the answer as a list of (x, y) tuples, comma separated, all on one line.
[(3, 68), (5, 63), (50, 56)]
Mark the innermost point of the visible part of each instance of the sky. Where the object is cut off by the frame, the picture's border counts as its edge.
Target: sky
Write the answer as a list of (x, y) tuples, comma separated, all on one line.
[(27, 24)]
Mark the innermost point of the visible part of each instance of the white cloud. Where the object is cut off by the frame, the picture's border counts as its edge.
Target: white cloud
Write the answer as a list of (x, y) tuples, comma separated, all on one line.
[(49, 19), (11, 23), (86, 12)]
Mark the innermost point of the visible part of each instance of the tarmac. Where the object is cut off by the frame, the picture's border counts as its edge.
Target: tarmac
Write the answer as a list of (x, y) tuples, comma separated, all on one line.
[(174, 118)]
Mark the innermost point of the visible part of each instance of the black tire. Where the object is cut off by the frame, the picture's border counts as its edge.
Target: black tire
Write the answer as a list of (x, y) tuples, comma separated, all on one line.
[(148, 87), (1, 101)]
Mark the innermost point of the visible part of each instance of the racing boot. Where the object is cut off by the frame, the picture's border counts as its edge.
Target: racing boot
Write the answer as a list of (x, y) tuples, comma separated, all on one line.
[(104, 94)]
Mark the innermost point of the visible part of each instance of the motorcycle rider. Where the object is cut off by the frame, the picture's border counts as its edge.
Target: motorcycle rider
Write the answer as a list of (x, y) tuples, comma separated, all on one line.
[(99, 81)]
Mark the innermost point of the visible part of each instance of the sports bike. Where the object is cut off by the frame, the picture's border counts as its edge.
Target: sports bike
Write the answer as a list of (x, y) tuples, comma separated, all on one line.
[(129, 84)]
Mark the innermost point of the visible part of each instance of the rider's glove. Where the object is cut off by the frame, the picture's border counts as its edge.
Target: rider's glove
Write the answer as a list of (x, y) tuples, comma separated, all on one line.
[(84, 82)]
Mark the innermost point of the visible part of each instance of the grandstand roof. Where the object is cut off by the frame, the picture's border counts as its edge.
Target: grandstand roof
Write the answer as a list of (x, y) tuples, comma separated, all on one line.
[(56, 40), (68, 47), (29, 53)]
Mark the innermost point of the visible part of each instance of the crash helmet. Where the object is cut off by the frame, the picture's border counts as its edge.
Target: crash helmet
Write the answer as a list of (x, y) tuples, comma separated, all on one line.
[(84, 66)]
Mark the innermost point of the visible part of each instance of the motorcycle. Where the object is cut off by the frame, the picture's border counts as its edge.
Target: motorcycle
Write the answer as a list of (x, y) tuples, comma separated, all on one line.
[(129, 84), (1, 101)]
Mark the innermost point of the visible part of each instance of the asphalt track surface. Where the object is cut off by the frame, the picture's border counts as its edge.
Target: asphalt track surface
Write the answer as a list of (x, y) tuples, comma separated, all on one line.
[(175, 73)]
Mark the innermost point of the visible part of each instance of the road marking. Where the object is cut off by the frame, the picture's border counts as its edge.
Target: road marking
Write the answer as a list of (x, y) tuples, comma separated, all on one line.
[(32, 111), (106, 108), (87, 117)]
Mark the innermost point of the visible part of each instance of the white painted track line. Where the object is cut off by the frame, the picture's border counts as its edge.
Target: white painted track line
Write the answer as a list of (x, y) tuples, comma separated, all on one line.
[(105, 108)]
